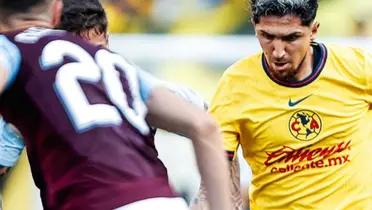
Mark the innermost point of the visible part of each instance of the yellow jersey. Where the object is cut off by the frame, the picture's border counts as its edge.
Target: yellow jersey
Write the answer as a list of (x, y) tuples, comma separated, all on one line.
[(306, 141)]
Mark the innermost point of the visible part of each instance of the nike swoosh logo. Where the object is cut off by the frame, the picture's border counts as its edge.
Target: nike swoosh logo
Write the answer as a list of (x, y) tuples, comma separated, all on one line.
[(294, 103)]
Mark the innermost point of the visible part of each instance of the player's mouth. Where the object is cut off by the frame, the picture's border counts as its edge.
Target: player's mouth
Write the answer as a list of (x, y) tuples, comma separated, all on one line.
[(280, 66)]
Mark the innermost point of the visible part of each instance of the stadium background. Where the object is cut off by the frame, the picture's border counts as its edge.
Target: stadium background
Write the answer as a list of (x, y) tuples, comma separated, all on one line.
[(191, 42)]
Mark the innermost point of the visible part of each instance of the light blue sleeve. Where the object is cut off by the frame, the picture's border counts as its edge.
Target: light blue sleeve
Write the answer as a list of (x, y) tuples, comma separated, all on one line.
[(10, 59), (187, 94), (147, 82), (11, 144)]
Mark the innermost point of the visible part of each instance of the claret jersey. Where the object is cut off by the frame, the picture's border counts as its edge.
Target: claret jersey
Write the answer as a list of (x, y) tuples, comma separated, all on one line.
[(81, 111), (307, 142)]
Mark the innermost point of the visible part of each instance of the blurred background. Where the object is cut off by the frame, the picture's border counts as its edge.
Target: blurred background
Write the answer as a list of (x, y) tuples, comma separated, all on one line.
[(225, 17), (191, 43)]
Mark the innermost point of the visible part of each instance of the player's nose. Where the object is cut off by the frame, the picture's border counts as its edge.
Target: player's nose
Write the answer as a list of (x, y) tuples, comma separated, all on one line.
[(278, 50)]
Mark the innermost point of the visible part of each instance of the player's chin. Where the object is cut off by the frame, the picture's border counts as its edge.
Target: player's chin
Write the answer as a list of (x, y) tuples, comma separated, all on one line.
[(282, 75)]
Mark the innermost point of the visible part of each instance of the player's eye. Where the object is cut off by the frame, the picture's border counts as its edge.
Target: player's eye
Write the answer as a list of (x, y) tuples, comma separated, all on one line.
[(291, 38), (267, 36)]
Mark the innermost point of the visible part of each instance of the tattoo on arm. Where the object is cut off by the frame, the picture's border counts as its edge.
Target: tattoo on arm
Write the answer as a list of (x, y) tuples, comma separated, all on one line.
[(235, 185), (200, 202)]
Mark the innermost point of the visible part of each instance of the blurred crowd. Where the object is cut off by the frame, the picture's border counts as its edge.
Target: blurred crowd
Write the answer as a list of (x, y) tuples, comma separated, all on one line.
[(181, 16), (337, 17)]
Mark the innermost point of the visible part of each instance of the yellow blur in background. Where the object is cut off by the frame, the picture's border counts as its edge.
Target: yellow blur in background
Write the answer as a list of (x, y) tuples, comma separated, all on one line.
[(337, 17), (19, 192)]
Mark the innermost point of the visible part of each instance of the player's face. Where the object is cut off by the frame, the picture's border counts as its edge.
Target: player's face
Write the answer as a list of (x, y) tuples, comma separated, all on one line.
[(95, 37), (285, 42)]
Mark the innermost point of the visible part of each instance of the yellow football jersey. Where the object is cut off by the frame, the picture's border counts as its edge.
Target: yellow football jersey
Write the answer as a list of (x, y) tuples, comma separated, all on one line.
[(306, 142)]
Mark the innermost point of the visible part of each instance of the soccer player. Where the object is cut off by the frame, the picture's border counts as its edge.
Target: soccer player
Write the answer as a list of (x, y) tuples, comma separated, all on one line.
[(81, 109), (298, 110), (86, 19)]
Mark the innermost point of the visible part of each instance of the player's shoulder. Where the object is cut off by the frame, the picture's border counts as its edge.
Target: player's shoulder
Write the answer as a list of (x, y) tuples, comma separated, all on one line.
[(235, 78), (34, 35), (251, 62), (346, 53), (348, 59), (243, 69), (38, 37)]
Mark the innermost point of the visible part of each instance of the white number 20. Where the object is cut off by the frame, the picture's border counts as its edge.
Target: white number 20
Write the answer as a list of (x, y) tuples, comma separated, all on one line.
[(82, 114)]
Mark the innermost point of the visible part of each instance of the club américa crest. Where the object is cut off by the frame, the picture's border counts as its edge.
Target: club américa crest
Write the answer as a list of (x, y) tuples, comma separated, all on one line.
[(305, 125)]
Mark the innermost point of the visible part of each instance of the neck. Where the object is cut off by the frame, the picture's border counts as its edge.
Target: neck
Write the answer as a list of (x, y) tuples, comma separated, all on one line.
[(306, 66), (19, 21)]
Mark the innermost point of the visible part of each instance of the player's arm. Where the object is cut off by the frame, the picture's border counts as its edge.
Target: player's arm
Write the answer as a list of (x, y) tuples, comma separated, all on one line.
[(183, 92), (187, 94), (168, 111), (226, 116), (3, 77), (10, 59), (236, 195), (11, 146), (200, 202), (3, 70)]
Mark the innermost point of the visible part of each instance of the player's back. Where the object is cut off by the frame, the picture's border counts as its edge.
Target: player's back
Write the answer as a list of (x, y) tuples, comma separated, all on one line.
[(80, 110)]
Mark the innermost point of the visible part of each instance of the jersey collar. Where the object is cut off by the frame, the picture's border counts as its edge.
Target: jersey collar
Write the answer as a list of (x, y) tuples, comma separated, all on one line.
[(320, 57)]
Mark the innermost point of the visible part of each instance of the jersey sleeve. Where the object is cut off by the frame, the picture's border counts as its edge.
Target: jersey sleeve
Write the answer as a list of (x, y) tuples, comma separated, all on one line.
[(11, 144), (147, 82), (10, 59), (187, 94), (223, 110)]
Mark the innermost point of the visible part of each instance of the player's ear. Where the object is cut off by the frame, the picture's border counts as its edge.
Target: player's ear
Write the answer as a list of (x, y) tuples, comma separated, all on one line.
[(314, 30), (57, 8), (107, 36)]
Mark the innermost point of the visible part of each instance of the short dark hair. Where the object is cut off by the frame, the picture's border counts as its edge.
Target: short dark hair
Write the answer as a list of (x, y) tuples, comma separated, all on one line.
[(83, 15), (17, 6), (304, 9)]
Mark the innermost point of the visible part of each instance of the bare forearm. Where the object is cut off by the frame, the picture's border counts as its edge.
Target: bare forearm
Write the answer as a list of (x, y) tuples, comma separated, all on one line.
[(190, 121), (236, 196), (213, 169), (200, 203)]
